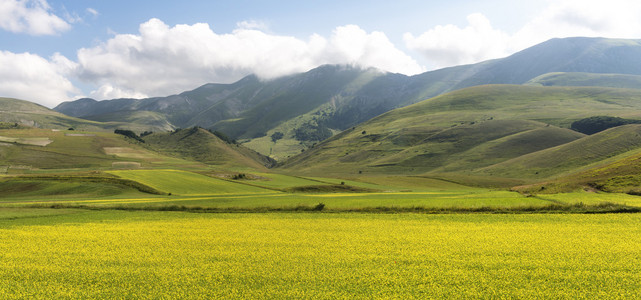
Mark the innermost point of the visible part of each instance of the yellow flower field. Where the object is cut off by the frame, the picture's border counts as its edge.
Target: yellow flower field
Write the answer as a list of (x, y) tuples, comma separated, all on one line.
[(123, 254)]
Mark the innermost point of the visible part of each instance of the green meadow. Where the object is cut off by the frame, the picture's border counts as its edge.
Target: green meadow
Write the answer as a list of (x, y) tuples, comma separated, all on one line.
[(181, 189)]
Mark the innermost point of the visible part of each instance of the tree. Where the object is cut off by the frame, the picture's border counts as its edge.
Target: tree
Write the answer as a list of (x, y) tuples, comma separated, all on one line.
[(277, 136), (312, 132)]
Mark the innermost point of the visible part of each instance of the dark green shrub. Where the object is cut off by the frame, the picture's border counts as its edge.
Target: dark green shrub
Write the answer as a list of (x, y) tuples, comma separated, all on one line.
[(277, 136), (129, 133), (596, 124)]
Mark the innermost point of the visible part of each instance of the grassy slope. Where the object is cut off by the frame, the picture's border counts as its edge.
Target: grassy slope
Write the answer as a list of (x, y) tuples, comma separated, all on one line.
[(571, 156), (200, 145), (31, 114), (465, 129), (618, 173), (34, 115), (19, 190), (186, 183), (587, 79), (76, 150)]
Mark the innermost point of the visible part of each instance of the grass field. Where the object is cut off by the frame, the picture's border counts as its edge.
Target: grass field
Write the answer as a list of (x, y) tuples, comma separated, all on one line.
[(190, 190), (116, 254)]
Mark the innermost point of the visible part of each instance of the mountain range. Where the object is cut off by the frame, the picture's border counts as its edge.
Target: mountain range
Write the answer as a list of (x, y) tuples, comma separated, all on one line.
[(303, 109)]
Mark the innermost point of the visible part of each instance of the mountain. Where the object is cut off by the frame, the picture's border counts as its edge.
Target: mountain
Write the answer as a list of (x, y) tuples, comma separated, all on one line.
[(306, 107), (154, 120), (579, 54), (472, 132), (303, 109)]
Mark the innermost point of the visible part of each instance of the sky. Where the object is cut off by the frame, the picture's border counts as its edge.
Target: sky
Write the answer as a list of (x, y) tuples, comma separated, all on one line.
[(54, 51)]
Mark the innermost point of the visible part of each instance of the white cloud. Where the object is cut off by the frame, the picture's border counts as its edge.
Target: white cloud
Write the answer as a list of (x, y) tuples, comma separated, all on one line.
[(108, 91), (450, 45), (352, 45), (30, 77), (93, 12), (591, 18), (162, 60), (253, 24), (30, 16)]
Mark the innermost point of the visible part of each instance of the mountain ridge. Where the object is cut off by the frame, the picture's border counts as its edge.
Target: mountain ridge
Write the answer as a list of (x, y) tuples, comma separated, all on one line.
[(333, 98)]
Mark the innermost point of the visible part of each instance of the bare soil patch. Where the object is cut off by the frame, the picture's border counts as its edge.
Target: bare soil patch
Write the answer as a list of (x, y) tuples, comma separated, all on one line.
[(126, 152), (27, 141)]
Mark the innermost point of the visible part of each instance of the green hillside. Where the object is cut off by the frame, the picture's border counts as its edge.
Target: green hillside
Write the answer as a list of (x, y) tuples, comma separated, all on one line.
[(587, 79), (571, 156), (465, 130), (609, 161), (34, 150), (203, 146), (33, 115)]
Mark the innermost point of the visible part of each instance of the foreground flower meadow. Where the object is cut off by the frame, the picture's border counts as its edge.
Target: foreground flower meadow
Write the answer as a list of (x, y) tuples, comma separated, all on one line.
[(123, 254)]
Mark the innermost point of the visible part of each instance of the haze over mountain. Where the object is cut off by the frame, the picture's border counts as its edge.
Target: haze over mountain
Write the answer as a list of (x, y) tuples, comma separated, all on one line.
[(306, 108)]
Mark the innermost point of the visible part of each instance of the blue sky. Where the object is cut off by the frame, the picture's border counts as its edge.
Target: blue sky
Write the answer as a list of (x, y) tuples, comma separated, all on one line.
[(53, 51)]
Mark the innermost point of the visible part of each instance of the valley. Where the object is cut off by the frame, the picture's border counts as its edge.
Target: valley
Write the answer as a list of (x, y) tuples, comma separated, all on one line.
[(510, 178)]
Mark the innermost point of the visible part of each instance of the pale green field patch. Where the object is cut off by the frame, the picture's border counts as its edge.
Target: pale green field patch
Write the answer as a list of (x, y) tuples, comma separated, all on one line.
[(127, 152), (186, 183)]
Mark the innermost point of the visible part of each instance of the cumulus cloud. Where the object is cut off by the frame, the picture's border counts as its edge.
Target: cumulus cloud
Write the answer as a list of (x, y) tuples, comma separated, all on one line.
[(30, 16), (450, 45), (34, 78), (162, 60)]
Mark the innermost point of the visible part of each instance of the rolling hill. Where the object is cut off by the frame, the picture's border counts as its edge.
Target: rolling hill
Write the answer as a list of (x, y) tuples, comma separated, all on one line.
[(28, 150), (472, 129), (610, 161), (33, 115), (33, 149), (571, 156), (309, 107), (203, 146)]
